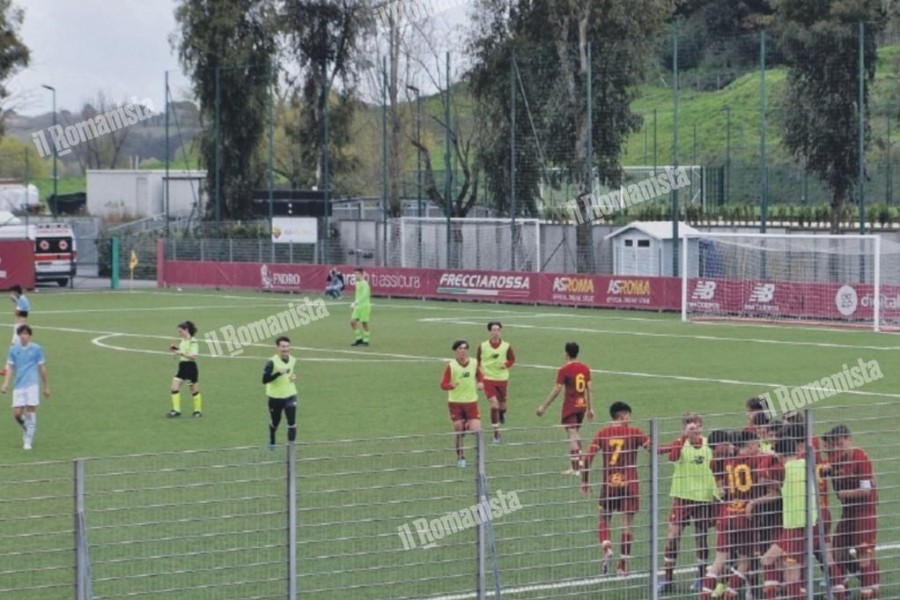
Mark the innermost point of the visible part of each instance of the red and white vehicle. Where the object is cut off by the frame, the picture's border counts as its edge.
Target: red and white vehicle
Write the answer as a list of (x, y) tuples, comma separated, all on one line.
[(55, 254)]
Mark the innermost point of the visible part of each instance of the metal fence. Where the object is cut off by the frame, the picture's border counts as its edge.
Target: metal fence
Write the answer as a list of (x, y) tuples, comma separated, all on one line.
[(397, 518)]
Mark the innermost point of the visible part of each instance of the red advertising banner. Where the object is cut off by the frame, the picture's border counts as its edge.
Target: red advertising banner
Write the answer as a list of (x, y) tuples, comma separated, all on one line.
[(16, 264), (831, 301), (651, 293)]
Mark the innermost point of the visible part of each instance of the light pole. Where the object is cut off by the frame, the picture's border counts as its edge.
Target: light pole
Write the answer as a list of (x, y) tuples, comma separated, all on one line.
[(55, 152), (417, 92)]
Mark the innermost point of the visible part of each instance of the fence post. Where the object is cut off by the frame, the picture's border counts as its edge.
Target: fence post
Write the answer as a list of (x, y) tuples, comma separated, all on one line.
[(114, 263), (292, 519), (654, 509), (480, 496), (83, 586)]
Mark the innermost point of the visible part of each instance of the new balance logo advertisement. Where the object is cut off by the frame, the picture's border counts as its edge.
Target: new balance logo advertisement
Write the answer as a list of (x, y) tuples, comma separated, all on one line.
[(761, 295), (704, 290)]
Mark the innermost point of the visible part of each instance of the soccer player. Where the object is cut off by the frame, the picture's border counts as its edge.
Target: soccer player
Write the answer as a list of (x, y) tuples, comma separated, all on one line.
[(853, 480), (279, 377), (21, 310), (693, 494), (362, 309), (757, 411), (575, 377), (741, 477), (462, 380), (618, 443), (25, 365), (496, 357), (789, 550), (187, 349)]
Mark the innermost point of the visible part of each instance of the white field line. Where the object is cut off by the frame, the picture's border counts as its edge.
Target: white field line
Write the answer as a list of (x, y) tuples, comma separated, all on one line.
[(100, 338), (710, 338), (541, 587)]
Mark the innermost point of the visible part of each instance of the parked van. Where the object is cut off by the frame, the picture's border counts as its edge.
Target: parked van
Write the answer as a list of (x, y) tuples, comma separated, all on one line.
[(55, 255)]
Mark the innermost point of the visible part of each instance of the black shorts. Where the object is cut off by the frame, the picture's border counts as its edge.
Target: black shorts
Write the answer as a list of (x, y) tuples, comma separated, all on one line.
[(282, 403), (187, 371), (22, 313)]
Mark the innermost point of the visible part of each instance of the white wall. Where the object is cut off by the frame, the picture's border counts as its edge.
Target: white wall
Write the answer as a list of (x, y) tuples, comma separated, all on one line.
[(142, 193)]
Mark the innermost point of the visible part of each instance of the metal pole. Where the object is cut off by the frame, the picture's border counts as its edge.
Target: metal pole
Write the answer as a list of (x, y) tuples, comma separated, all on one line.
[(326, 175), (675, 207), (763, 172), (271, 158), (448, 174), (218, 185), (654, 143), (292, 519), (166, 188), (888, 183), (727, 153), (589, 157), (384, 161), (654, 508), (862, 129), (512, 162), (55, 153)]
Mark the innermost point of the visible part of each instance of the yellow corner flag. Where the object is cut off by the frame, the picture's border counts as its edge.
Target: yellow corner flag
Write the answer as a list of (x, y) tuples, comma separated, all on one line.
[(133, 262)]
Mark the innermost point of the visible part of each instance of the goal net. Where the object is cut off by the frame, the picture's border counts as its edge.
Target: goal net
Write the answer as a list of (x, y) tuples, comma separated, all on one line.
[(843, 279), (476, 243)]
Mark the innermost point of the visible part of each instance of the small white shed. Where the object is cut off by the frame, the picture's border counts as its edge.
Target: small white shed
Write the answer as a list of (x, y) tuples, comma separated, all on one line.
[(645, 248)]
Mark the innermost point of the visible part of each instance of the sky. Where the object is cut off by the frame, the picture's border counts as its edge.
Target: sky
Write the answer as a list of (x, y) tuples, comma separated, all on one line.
[(118, 47), (83, 47)]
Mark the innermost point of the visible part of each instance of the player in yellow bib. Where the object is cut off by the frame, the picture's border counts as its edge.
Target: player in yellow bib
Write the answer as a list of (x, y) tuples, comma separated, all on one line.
[(362, 309), (496, 358), (462, 380), (186, 350), (281, 390)]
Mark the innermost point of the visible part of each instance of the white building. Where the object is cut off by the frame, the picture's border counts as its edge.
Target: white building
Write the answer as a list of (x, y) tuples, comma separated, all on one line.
[(646, 247), (142, 193)]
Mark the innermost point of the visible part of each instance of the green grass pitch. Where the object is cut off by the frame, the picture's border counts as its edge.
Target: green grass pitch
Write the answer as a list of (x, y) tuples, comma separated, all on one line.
[(110, 372)]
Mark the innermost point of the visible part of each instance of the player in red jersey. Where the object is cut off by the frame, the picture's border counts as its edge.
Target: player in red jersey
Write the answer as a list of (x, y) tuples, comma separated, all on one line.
[(462, 381), (693, 496), (742, 479), (575, 377), (618, 443), (496, 357), (854, 484)]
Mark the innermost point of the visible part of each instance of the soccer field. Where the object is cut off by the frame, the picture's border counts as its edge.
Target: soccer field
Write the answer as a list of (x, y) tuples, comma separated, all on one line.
[(110, 371)]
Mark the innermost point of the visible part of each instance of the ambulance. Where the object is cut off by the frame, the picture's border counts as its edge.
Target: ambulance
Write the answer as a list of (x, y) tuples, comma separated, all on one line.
[(55, 255)]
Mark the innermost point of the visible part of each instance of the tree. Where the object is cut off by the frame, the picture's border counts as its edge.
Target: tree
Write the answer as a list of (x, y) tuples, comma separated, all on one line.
[(821, 117), (14, 55), (14, 164), (103, 151), (324, 38), (228, 48), (556, 35)]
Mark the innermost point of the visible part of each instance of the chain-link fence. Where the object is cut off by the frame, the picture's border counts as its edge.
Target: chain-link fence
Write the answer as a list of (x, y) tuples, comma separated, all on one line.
[(397, 518)]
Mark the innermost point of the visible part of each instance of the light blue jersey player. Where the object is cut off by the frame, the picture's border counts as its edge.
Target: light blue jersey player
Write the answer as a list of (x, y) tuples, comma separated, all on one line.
[(25, 366), (22, 308)]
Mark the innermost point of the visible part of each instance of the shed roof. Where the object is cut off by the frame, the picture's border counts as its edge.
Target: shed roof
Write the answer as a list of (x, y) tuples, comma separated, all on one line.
[(660, 230)]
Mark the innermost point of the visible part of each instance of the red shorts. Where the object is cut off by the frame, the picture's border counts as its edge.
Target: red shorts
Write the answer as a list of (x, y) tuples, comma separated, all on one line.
[(702, 513), (856, 530), (573, 419), (735, 532), (495, 389), (623, 499), (793, 544), (463, 411)]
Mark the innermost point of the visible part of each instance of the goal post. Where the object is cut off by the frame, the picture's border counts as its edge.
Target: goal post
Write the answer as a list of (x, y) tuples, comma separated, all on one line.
[(473, 243), (849, 280)]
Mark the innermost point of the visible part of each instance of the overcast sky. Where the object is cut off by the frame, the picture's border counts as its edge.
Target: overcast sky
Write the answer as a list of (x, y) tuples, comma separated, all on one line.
[(119, 47), (82, 47)]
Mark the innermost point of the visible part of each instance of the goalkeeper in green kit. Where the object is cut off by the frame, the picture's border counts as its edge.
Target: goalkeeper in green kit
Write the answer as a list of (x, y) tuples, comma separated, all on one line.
[(362, 309)]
